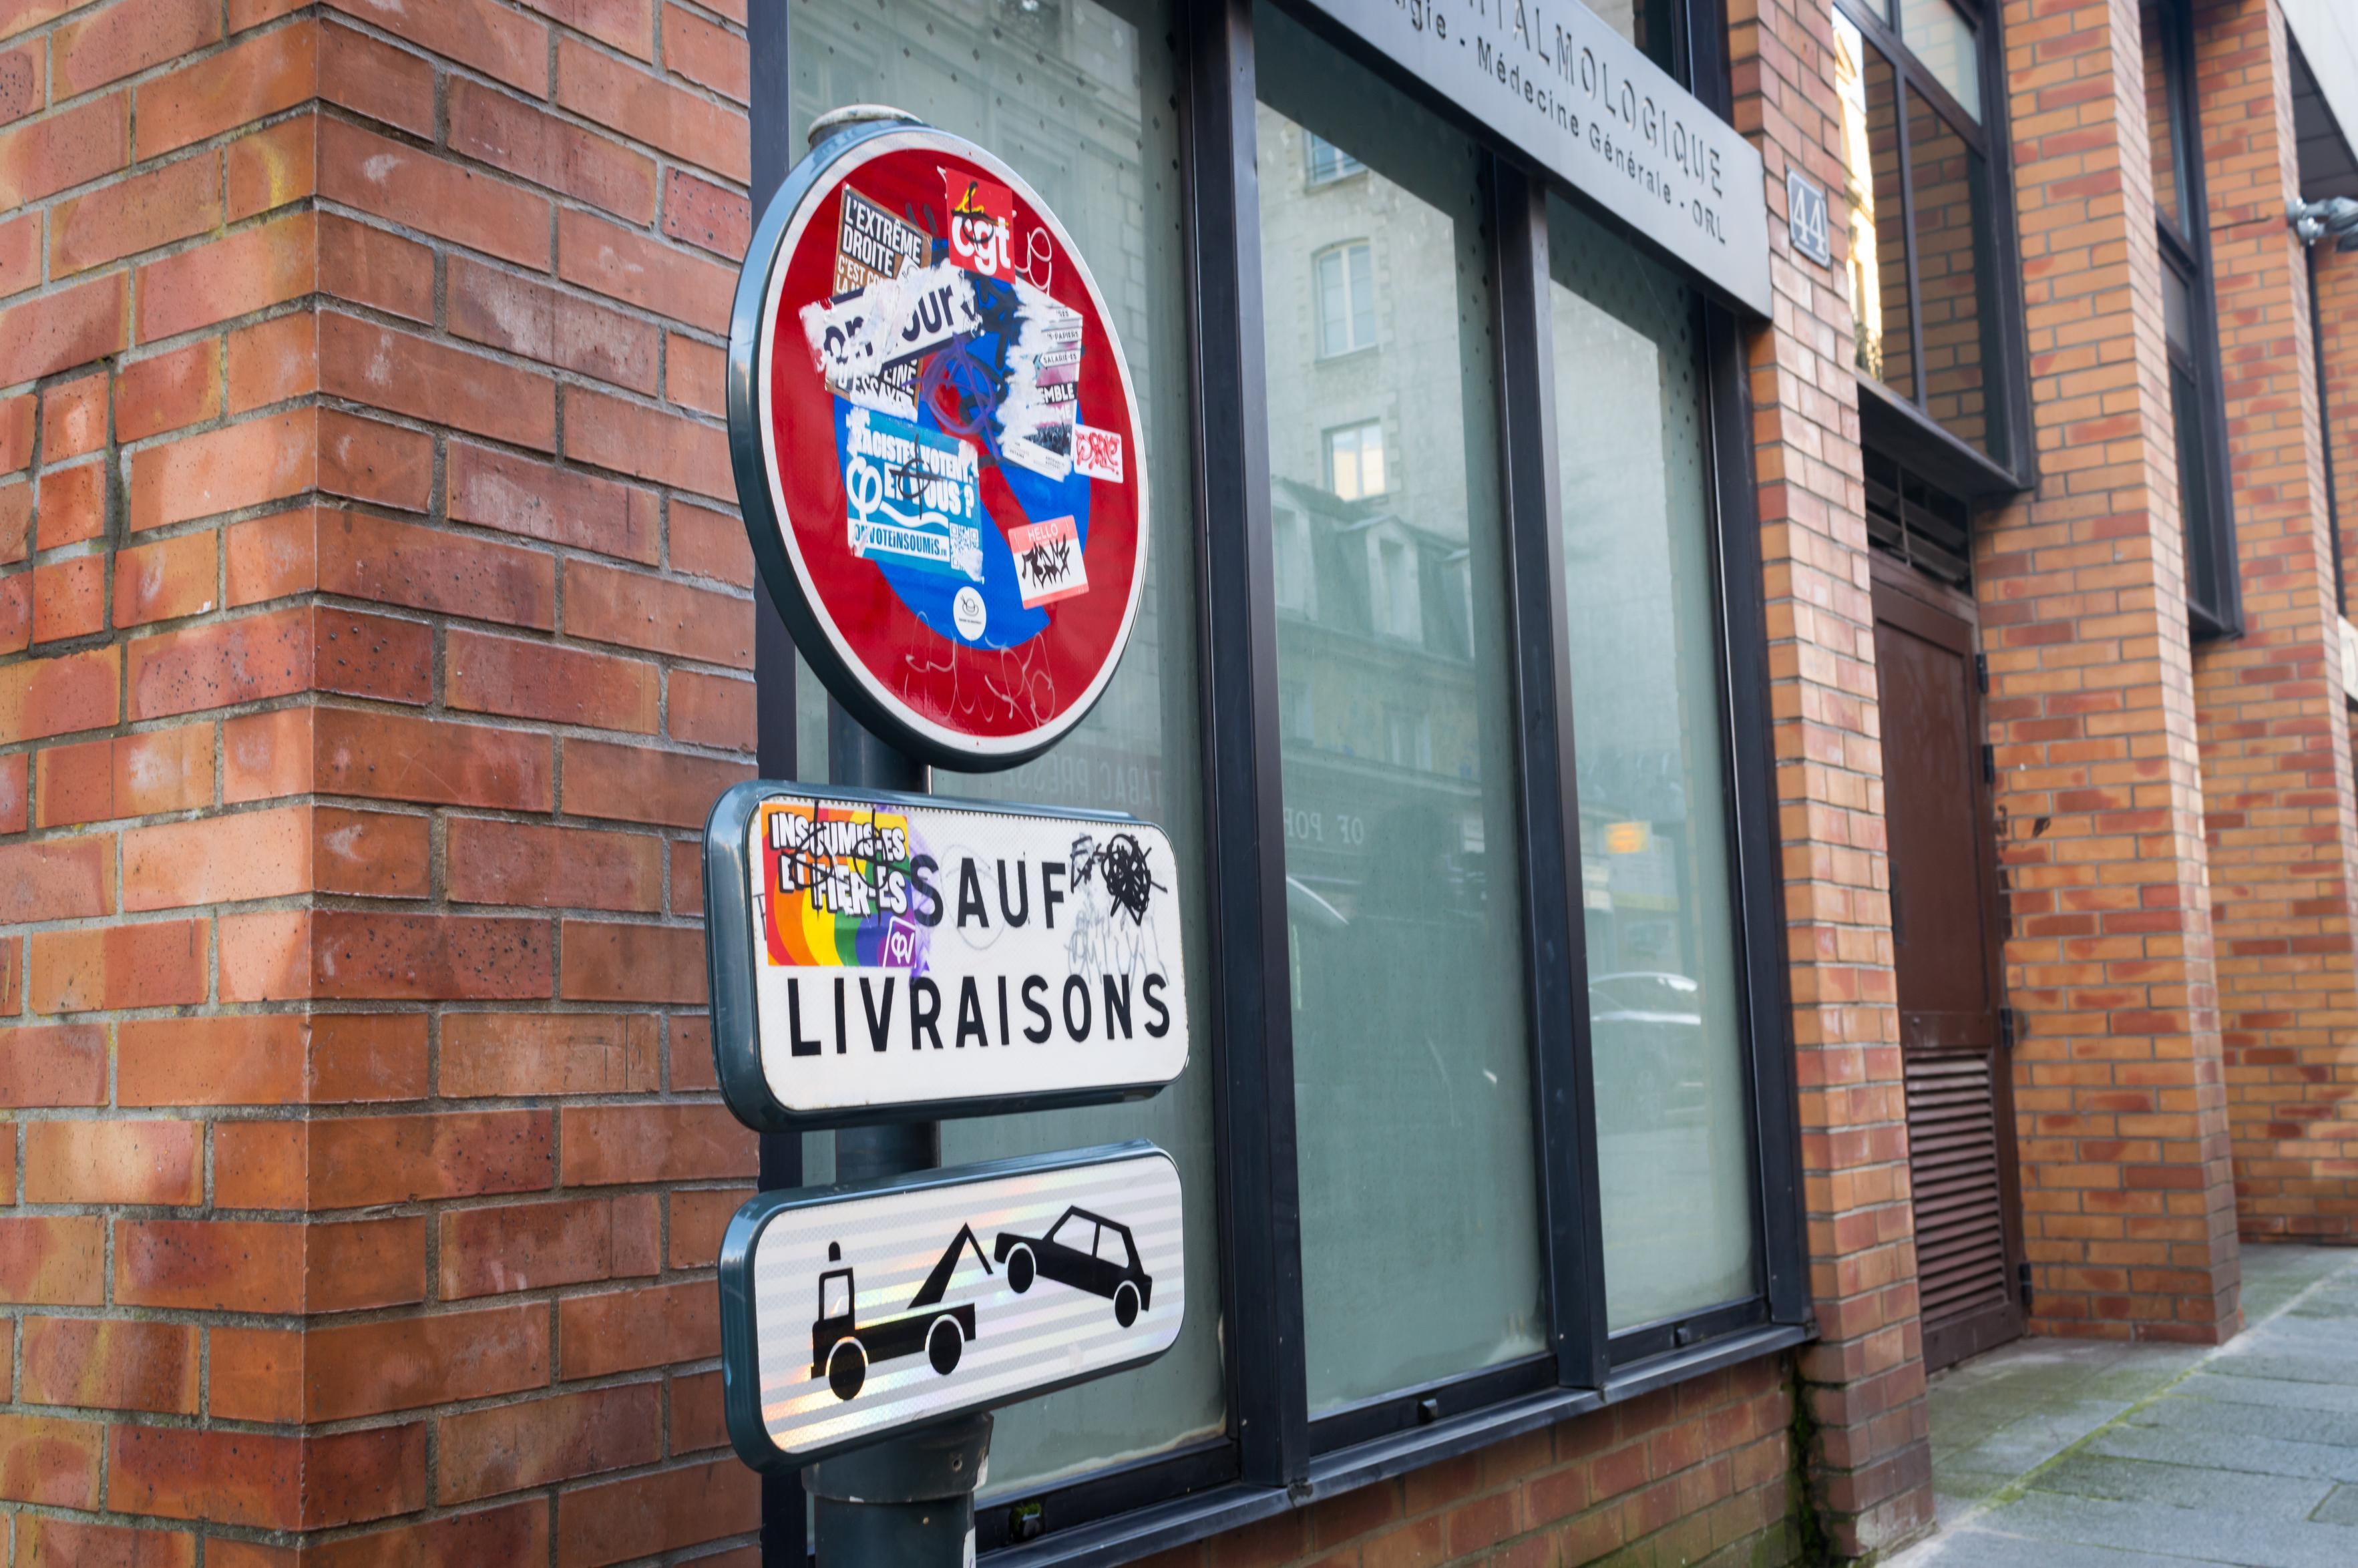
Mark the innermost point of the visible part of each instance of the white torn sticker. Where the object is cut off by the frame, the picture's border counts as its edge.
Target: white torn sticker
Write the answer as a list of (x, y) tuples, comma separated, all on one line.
[(858, 338), (1037, 413)]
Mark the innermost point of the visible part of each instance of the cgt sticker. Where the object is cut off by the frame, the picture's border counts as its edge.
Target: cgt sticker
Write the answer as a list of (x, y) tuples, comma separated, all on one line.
[(982, 222)]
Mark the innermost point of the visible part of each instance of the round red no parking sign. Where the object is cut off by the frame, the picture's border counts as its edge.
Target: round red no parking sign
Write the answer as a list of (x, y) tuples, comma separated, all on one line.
[(937, 446)]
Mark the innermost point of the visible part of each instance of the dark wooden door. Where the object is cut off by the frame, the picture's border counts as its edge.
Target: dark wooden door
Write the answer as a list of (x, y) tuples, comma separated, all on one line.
[(1945, 936)]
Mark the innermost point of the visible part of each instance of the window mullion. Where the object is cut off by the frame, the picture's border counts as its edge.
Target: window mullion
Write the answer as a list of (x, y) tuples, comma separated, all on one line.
[(1751, 763), (1563, 1087), (2186, 124), (1258, 1206)]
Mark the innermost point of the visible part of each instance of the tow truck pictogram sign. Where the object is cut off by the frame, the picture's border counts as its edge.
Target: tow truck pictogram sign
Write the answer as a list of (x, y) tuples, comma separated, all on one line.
[(908, 1319)]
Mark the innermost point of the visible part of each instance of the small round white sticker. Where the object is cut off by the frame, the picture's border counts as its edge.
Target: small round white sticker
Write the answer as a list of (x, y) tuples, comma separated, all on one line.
[(968, 611)]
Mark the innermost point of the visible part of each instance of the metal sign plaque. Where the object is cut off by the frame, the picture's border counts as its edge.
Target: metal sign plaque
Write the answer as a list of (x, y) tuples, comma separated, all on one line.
[(847, 1313), (878, 956), (1805, 218), (1560, 84), (937, 446)]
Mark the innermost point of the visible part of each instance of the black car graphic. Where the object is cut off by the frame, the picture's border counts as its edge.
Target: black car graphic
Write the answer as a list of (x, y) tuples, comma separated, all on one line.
[(1087, 1251)]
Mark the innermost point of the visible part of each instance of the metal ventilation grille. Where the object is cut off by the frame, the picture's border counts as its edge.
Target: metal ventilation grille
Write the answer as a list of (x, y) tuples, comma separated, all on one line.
[(1953, 1155), (1922, 525)]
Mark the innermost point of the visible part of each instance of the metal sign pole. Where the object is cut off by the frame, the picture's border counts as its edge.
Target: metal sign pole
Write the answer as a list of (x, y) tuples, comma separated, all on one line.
[(921, 407), (909, 1500)]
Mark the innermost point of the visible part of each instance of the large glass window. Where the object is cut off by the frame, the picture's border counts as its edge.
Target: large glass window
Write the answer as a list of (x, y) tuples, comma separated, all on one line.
[(1076, 95), (1651, 25), (1885, 344), (2197, 423), (1674, 1145), (1924, 247), (1947, 222), (1426, 1191), (1420, 1217)]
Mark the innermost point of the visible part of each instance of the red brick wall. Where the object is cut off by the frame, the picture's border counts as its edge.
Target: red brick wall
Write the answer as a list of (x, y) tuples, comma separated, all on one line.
[(1869, 1462), (381, 641), (2128, 1213), (1671, 1477), (2279, 810), (380, 644)]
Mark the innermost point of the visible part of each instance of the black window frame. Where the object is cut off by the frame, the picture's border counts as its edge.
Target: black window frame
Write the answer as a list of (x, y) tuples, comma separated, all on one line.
[(1273, 1457), (1896, 422), (2215, 610)]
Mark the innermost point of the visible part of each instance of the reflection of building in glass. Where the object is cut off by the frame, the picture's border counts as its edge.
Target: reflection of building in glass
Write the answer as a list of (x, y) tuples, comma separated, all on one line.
[(1368, 523)]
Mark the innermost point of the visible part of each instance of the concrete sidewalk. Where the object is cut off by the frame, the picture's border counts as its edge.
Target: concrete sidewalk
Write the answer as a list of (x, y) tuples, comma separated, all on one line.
[(2069, 1453)]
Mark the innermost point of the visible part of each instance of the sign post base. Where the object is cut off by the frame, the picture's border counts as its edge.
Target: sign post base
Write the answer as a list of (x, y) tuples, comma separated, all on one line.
[(908, 1500)]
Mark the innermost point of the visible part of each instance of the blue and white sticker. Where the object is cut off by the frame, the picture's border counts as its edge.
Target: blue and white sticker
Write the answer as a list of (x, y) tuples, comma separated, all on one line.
[(911, 495)]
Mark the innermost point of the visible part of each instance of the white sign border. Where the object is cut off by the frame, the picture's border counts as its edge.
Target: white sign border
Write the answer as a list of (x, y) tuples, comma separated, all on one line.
[(733, 940), (748, 1431)]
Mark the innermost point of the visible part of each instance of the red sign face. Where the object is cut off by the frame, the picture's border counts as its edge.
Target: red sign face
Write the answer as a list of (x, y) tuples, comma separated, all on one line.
[(952, 515)]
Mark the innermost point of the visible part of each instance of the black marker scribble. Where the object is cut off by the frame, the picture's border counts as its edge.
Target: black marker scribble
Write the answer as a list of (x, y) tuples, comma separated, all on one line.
[(816, 853), (1121, 865), (906, 481), (1049, 561)]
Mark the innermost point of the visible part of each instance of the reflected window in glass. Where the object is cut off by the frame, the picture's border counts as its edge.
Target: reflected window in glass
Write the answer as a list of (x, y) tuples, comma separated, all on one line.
[(1419, 1181), (1328, 161), (1651, 25), (1354, 460), (1346, 299), (1952, 305), (2161, 123)]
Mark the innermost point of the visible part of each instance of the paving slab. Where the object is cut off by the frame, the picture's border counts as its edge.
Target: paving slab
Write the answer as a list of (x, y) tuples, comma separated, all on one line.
[(2229, 1491), (2274, 1392), (1989, 1549), (2160, 1530), (2340, 1507), (2184, 1411), (2062, 1453), (2171, 1448)]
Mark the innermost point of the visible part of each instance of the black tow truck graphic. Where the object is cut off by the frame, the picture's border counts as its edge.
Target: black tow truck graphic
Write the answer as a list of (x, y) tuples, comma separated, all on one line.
[(842, 1349)]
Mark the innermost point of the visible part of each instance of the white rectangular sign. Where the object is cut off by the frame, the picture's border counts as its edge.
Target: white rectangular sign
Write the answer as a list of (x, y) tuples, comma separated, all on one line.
[(847, 1314), (874, 956), (1583, 101)]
